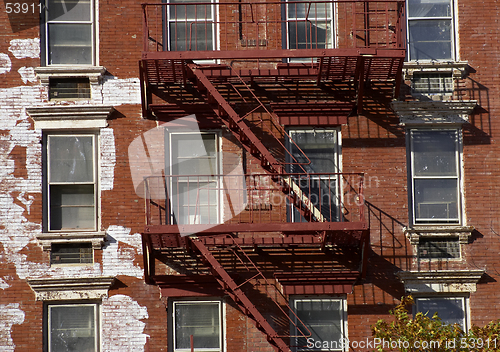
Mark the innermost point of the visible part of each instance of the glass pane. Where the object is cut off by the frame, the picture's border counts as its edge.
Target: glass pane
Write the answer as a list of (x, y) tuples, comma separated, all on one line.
[(310, 35), (70, 44), (429, 8), (195, 202), (187, 36), (72, 329), (310, 10), (72, 207), (430, 40), (194, 154), (71, 158), (434, 153), (69, 10), (436, 199), (323, 318), (320, 148), (450, 310), (202, 320), (190, 12)]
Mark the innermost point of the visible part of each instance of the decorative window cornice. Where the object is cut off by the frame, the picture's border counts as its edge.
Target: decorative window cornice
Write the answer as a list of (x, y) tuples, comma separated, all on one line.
[(462, 232), (70, 116), (94, 73), (433, 112), (443, 281), (50, 289), (459, 69), (96, 238)]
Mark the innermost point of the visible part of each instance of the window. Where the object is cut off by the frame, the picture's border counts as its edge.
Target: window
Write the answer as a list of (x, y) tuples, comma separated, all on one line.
[(324, 318), (200, 319), (73, 327), (69, 88), (309, 25), (430, 30), (190, 27), (451, 310), (435, 176), (432, 83), (71, 253), (69, 32), (438, 248), (71, 182), (194, 191), (320, 180)]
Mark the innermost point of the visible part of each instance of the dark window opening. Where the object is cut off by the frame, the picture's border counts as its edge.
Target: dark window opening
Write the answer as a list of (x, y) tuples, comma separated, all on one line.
[(71, 253), (69, 88), (431, 248)]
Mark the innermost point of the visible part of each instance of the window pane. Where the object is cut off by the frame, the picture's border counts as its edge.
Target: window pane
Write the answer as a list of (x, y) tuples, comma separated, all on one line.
[(429, 8), (450, 310), (70, 43), (187, 36), (430, 39), (69, 10), (195, 202), (435, 153), (71, 159), (72, 329), (194, 154), (72, 207), (323, 318), (185, 11), (202, 320), (320, 148), (310, 35), (436, 199), (309, 10)]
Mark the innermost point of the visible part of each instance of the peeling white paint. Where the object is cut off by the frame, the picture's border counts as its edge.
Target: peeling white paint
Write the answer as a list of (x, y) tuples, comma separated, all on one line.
[(10, 314), (123, 329), (25, 48), (3, 284), (5, 63), (108, 159), (121, 91), (120, 261), (28, 74)]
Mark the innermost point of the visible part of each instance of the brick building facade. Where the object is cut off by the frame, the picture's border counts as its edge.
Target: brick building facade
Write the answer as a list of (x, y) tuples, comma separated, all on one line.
[(171, 171)]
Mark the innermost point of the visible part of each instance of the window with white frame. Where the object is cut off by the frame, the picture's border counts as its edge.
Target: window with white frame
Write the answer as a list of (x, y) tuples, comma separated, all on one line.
[(318, 320), (71, 189), (451, 310), (194, 182), (431, 30), (200, 319), (309, 25), (320, 180), (69, 32), (435, 176), (73, 327), (190, 27)]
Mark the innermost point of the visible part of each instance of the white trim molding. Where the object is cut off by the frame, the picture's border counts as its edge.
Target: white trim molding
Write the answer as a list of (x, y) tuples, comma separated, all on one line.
[(462, 232), (50, 289), (442, 281), (70, 116), (93, 73), (47, 238), (458, 69), (433, 112)]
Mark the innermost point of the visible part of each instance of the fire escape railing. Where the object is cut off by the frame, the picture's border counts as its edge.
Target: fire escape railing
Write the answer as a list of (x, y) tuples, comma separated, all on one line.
[(253, 199), (275, 25)]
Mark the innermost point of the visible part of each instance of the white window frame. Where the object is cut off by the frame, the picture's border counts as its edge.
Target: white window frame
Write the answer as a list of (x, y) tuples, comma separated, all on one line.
[(295, 334), (95, 182), (221, 310), (97, 319), (169, 21), (338, 162), (452, 18), (463, 299), (216, 183), (93, 40), (459, 179)]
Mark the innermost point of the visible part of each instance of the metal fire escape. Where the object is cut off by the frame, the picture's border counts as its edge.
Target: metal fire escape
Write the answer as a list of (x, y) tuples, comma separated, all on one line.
[(255, 76)]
